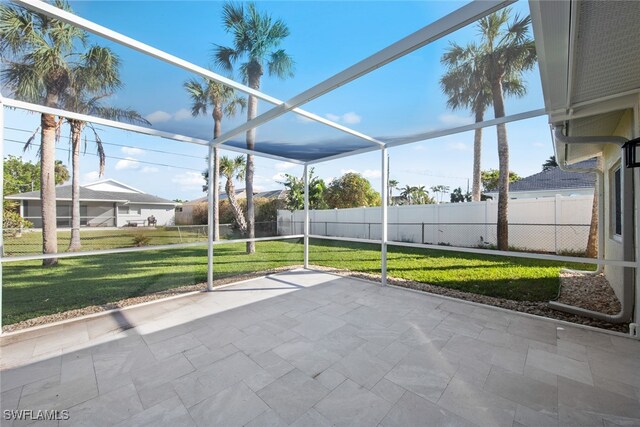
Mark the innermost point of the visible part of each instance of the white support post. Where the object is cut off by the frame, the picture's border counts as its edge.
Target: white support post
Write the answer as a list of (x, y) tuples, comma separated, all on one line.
[(211, 219), (1, 210), (306, 216), (385, 208)]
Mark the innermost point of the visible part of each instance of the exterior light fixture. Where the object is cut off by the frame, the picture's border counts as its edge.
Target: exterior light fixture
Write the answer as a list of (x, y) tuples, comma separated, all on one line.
[(630, 148)]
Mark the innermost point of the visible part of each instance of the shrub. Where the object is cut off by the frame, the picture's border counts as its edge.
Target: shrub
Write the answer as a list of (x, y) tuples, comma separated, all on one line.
[(140, 238), (13, 220)]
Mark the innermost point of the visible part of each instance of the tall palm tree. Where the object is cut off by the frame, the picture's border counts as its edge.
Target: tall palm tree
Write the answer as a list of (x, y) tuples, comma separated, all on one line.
[(407, 193), (38, 54), (393, 183), (93, 79), (466, 85), (223, 101), (234, 169), (507, 51), (256, 40)]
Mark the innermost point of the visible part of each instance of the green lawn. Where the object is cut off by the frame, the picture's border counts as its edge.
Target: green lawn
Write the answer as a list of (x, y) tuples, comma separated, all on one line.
[(31, 242), (30, 290)]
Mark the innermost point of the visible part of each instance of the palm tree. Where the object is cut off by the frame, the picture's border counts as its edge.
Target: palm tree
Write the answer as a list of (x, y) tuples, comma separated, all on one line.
[(94, 79), (256, 40), (467, 87), (223, 101), (392, 184), (407, 193), (507, 51), (550, 163), (234, 169), (38, 54)]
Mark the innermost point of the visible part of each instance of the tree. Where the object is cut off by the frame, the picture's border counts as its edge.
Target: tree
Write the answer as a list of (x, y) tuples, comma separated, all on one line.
[(392, 184), (592, 241), (295, 192), (440, 190), (550, 163), (256, 40), (351, 190), (491, 179), (224, 102), (38, 54), (93, 79), (507, 51), (20, 176), (234, 169), (467, 87), (458, 197)]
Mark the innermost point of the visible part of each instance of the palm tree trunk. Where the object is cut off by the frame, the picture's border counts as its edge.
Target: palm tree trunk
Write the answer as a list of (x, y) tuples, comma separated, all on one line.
[(217, 131), (592, 242), (48, 187), (76, 132), (235, 207), (503, 160), (477, 156), (252, 112)]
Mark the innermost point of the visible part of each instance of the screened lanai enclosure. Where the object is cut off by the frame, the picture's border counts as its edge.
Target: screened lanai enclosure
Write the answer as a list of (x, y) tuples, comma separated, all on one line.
[(284, 209)]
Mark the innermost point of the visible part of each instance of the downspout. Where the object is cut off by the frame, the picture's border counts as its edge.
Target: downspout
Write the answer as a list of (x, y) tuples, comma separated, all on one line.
[(600, 183), (626, 300)]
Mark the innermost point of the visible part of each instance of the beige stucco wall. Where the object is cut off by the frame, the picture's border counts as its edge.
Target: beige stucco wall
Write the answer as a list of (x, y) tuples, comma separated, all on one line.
[(613, 244)]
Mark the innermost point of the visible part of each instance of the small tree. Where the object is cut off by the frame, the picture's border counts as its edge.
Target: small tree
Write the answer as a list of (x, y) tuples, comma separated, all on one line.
[(295, 192), (352, 190), (490, 179), (234, 169), (458, 197)]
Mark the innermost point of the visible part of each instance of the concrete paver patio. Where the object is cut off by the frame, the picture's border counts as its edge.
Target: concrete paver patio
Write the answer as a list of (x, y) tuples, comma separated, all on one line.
[(308, 348)]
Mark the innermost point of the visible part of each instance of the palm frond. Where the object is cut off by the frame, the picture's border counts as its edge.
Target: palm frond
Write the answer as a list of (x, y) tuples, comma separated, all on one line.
[(281, 64)]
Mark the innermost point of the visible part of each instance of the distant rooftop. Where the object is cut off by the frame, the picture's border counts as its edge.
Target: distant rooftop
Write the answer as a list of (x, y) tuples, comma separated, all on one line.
[(557, 179)]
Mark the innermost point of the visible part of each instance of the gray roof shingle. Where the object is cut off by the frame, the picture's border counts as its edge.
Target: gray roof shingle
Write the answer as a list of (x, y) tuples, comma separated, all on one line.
[(557, 179), (63, 192)]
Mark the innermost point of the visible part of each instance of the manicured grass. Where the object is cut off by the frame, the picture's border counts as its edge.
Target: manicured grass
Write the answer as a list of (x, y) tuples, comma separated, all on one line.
[(517, 279), (30, 290), (31, 241)]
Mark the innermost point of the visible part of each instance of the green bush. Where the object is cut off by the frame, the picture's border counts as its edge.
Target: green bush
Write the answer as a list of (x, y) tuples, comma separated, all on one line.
[(140, 238)]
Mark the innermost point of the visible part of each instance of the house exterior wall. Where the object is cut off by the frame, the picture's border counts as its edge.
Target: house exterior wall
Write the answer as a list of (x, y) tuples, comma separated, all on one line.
[(93, 214), (546, 193), (165, 214), (613, 248)]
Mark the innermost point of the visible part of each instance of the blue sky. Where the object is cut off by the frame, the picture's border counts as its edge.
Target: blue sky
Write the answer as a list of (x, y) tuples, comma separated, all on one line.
[(399, 99)]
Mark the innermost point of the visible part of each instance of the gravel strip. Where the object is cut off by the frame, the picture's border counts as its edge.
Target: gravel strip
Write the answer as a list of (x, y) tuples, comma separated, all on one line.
[(592, 292)]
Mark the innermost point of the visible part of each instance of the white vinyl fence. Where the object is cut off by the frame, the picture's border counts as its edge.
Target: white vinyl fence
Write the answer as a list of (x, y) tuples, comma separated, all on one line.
[(551, 224)]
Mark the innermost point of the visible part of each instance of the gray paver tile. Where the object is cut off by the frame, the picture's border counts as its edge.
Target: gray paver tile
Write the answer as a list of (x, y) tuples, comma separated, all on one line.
[(352, 405), (234, 406)]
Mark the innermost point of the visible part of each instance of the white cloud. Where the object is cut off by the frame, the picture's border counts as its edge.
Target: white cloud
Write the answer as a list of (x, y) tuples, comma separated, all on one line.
[(351, 118), (279, 177), (149, 169), (419, 147), (457, 146), (344, 171), (189, 180), (454, 120), (90, 177), (158, 117), (283, 166), (539, 144), (128, 163), (372, 173), (132, 151), (182, 114)]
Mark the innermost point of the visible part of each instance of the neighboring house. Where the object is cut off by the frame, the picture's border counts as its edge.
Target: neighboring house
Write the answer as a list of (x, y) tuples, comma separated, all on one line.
[(184, 212), (553, 182), (106, 203), (589, 63)]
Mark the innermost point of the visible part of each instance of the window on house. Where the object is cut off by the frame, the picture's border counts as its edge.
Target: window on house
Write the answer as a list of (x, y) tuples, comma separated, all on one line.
[(617, 205), (123, 210)]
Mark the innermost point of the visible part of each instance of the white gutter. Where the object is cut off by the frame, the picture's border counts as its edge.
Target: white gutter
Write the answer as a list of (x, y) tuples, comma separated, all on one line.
[(626, 300)]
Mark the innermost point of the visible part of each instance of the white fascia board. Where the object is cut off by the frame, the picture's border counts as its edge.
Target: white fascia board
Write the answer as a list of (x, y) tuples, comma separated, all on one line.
[(445, 132), (434, 31), (92, 27)]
